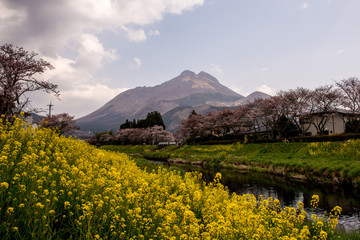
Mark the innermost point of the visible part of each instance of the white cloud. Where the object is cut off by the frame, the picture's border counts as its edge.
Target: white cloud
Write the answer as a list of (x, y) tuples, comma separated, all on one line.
[(11, 15), (340, 51), (135, 64), (50, 27), (263, 88), (91, 53), (266, 89), (177, 7), (135, 35), (216, 68), (46, 21), (84, 99), (93, 92), (262, 71), (80, 92), (154, 33), (305, 5)]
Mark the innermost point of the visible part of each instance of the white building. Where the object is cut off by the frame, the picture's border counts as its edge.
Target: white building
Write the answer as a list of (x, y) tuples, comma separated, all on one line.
[(335, 123)]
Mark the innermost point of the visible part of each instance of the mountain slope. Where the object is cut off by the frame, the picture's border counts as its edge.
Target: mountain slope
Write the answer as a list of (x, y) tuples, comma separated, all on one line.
[(186, 84), (187, 89), (251, 98), (183, 93)]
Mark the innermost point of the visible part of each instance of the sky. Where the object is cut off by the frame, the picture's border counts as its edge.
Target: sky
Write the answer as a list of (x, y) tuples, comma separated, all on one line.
[(102, 48)]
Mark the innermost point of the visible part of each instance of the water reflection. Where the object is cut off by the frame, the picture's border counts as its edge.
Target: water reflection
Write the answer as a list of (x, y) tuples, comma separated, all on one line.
[(288, 191)]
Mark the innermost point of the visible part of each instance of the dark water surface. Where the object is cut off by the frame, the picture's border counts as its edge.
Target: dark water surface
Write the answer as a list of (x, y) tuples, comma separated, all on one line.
[(288, 191)]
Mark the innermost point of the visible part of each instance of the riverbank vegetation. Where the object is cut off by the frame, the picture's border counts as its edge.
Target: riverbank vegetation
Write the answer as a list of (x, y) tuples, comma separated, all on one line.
[(332, 162), (56, 187)]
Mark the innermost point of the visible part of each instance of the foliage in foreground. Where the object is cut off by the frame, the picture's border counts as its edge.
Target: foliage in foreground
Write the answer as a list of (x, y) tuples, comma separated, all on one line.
[(54, 187)]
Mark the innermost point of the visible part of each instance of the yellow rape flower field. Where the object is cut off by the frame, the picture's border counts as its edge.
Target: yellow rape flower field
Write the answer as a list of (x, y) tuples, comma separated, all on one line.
[(54, 187)]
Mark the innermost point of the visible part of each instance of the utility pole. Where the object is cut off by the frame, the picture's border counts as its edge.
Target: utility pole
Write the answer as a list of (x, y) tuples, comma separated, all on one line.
[(50, 108)]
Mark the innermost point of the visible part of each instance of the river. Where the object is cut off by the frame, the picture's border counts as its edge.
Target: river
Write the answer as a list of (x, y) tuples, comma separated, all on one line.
[(288, 191)]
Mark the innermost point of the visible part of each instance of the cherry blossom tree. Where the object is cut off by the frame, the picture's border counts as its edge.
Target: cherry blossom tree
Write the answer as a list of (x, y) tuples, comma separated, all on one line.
[(106, 138), (134, 136), (157, 134), (221, 121), (265, 113), (18, 71), (299, 107), (241, 121), (254, 114), (271, 116), (350, 90), (192, 127), (61, 122), (130, 136), (326, 100)]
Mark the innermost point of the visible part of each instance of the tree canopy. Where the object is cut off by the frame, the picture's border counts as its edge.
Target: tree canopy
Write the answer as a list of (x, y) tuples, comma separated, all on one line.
[(152, 119), (61, 122), (19, 70)]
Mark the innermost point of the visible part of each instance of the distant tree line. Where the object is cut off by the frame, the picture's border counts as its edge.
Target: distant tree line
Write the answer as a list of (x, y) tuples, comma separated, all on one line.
[(288, 113), (152, 119)]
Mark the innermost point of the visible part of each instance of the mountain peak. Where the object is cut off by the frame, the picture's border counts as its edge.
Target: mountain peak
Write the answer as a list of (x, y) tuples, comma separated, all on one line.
[(206, 76), (258, 94), (200, 80), (187, 73)]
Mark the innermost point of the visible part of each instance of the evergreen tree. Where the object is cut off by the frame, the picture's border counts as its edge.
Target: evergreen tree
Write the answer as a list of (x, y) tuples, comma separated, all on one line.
[(152, 119), (193, 112)]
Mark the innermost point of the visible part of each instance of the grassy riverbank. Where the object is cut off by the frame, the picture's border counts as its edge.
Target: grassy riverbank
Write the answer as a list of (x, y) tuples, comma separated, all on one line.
[(331, 162)]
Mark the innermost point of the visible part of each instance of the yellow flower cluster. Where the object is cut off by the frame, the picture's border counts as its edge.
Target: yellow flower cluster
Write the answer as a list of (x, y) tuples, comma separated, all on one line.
[(56, 187), (350, 147)]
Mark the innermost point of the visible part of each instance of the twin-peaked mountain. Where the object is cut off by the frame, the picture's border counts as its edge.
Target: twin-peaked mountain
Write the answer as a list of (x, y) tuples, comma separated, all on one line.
[(174, 99)]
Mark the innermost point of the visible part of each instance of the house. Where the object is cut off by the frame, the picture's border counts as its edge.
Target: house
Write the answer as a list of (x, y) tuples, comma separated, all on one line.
[(331, 123)]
